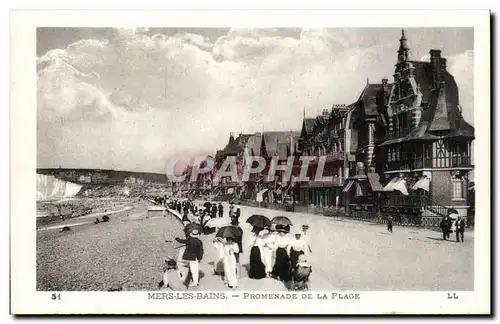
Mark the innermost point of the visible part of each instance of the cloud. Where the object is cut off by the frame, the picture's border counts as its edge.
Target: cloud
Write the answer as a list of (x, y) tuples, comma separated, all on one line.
[(137, 97), (461, 66)]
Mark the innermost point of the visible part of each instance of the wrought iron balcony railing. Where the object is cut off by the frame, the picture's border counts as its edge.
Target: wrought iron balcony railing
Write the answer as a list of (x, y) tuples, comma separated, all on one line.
[(397, 133), (425, 163)]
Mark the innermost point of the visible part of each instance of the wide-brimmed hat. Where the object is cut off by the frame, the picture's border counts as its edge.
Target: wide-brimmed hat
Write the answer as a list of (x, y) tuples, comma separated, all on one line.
[(281, 229), (305, 226), (194, 233)]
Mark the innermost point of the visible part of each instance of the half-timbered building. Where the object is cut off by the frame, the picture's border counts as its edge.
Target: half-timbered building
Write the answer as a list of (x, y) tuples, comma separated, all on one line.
[(428, 143)]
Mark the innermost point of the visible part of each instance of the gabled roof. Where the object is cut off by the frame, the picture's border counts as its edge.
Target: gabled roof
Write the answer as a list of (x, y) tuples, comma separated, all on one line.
[(308, 123), (253, 144), (339, 110), (278, 142), (443, 109), (370, 98), (442, 112), (242, 140), (232, 147)]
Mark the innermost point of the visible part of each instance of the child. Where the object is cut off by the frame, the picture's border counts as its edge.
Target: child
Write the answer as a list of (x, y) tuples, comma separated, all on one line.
[(171, 277), (301, 274)]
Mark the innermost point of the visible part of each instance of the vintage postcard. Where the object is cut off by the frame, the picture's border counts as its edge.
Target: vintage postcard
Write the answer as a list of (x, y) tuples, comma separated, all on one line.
[(250, 162)]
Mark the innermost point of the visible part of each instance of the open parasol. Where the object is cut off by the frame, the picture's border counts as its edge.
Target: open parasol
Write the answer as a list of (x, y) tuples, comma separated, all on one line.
[(281, 220), (259, 221), (229, 231), (217, 222), (191, 227)]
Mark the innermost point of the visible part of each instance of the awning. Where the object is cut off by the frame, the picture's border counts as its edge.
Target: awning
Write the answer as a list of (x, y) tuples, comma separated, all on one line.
[(401, 187), (422, 183), (359, 190), (374, 180), (262, 191), (260, 195), (390, 185), (348, 186)]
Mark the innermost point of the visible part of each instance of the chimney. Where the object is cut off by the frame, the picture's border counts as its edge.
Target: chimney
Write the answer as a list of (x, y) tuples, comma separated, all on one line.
[(436, 66)]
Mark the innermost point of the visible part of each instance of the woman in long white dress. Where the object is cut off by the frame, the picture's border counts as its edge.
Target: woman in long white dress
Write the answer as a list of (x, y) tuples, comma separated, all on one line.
[(230, 251), (268, 249), (219, 257)]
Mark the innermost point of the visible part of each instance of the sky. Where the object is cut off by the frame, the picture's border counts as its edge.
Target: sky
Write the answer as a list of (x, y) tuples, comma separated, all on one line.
[(130, 99)]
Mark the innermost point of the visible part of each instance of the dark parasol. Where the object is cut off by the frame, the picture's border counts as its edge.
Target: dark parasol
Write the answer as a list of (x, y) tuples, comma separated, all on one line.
[(259, 221), (281, 220), (229, 231)]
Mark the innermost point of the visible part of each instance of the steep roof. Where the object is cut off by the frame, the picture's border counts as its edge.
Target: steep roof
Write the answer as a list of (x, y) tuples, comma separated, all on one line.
[(370, 98), (309, 124), (277, 143), (253, 144), (232, 147), (242, 140), (442, 112)]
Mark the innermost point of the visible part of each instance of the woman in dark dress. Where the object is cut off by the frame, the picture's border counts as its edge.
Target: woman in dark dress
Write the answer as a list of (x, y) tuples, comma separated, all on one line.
[(282, 267), (257, 268)]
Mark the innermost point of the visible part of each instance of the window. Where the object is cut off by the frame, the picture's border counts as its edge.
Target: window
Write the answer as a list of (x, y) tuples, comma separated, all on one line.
[(427, 150), (457, 188)]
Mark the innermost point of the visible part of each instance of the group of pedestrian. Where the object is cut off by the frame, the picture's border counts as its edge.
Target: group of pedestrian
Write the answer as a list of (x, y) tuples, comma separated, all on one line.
[(276, 253), (448, 222)]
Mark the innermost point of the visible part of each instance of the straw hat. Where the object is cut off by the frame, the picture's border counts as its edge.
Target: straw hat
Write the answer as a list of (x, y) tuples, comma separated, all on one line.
[(194, 233)]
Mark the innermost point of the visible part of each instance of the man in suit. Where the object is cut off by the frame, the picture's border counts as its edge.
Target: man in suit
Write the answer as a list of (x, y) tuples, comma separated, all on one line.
[(193, 254), (221, 210), (460, 228)]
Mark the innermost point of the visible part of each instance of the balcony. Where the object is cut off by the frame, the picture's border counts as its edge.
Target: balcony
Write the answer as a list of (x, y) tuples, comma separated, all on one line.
[(397, 133), (461, 161), (398, 166), (336, 182), (427, 163)]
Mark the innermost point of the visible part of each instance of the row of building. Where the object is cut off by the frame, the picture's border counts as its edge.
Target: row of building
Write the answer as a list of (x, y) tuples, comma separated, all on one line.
[(401, 147)]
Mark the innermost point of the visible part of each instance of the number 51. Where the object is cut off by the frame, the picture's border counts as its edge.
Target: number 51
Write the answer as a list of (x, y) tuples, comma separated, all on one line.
[(56, 296)]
